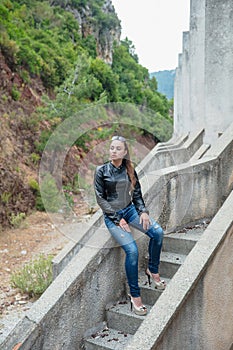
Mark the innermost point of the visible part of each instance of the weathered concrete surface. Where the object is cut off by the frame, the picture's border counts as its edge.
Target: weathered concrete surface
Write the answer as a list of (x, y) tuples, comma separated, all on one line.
[(75, 301), (196, 309), (163, 156), (197, 64), (203, 82), (185, 85), (192, 190), (218, 66), (178, 118), (79, 234)]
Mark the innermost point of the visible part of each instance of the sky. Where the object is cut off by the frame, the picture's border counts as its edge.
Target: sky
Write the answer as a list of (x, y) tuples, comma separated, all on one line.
[(155, 28)]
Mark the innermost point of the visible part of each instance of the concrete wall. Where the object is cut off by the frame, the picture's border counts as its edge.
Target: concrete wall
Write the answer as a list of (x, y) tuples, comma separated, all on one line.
[(185, 84), (204, 77), (78, 234), (193, 190), (75, 301), (178, 118), (196, 62), (218, 65), (196, 309)]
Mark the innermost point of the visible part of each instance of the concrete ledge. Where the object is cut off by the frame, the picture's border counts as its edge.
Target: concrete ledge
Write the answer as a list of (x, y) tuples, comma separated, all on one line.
[(169, 155), (177, 140), (174, 143), (200, 152), (79, 234), (69, 306)]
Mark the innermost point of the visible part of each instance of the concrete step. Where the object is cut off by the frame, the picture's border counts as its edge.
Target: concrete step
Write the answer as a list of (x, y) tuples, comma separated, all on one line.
[(183, 241), (122, 323), (108, 338), (120, 316), (148, 292), (170, 263)]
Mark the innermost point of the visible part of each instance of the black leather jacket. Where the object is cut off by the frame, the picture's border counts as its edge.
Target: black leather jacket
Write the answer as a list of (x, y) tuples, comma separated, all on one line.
[(112, 190)]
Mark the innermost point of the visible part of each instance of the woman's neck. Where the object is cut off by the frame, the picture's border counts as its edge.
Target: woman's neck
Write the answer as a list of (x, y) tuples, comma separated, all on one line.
[(117, 162)]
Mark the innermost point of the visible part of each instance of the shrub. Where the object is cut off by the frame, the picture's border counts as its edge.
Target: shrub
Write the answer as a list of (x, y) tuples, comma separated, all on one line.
[(33, 184), (25, 76), (17, 219), (15, 93), (35, 277), (35, 158), (5, 197)]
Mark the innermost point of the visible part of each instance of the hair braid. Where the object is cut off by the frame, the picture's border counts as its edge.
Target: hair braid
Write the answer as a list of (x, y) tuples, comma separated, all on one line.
[(130, 171), (129, 168)]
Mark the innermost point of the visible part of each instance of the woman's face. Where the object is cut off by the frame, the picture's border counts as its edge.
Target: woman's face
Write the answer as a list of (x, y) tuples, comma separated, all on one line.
[(117, 150)]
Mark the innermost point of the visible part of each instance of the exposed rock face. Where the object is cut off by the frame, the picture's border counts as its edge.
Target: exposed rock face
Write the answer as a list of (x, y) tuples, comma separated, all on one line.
[(103, 24), (107, 36)]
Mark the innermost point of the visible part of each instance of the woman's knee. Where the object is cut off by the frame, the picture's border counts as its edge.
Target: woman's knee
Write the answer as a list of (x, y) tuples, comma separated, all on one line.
[(131, 250), (156, 231)]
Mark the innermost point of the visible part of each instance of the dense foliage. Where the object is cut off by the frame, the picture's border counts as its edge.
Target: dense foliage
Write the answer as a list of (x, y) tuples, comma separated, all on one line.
[(44, 41)]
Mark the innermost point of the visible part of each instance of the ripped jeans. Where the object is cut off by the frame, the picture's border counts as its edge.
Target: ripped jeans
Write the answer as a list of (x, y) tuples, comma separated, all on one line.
[(127, 242)]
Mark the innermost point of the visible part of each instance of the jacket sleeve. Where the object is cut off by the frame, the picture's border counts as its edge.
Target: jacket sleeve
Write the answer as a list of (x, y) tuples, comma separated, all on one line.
[(137, 197), (101, 198)]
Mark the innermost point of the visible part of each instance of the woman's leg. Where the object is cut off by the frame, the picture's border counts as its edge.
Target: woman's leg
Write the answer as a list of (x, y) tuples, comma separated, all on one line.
[(155, 232), (126, 241)]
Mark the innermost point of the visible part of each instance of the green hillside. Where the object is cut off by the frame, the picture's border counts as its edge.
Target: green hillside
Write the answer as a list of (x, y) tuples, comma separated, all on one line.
[(55, 60)]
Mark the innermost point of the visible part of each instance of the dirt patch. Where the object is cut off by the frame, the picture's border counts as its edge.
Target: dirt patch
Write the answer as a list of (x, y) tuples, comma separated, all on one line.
[(19, 246)]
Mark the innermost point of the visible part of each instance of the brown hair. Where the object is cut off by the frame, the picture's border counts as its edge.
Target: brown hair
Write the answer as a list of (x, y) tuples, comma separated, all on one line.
[(129, 167), (127, 161)]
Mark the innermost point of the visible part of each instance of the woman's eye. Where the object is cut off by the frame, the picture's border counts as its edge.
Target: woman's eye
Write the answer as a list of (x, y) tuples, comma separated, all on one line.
[(119, 148)]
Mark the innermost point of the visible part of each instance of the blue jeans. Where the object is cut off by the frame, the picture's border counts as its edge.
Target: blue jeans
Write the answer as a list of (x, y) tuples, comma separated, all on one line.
[(127, 242)]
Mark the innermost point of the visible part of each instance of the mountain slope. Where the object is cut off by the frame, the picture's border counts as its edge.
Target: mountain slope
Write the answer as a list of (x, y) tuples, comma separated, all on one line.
[(165, 81), (57, 57)]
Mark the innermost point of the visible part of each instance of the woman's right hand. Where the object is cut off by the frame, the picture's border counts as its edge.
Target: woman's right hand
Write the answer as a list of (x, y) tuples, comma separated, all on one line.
[(123, 224)]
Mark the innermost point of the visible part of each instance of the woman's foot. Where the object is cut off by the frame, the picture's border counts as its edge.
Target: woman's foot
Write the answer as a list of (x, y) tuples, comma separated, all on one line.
[(137, 307), (137, 301), (159, 284)]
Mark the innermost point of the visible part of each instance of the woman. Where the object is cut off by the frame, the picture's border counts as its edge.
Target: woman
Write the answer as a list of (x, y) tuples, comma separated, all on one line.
[(118, 193)]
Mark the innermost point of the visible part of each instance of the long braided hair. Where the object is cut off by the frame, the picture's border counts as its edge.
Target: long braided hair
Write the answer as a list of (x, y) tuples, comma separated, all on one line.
[(129, 167)]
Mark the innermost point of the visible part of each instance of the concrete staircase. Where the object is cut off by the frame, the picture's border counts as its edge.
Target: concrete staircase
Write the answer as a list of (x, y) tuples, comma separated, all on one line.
[(120, 323)]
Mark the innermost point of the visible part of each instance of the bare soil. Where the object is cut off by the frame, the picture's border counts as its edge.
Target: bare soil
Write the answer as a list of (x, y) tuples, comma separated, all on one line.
[(19, 246)]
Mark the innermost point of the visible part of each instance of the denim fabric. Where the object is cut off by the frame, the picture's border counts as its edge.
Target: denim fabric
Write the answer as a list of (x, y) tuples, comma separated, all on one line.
[(127, 242)]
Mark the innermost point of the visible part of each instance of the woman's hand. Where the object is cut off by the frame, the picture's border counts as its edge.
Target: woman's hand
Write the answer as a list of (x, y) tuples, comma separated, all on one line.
[(145, 221), (123, 224)]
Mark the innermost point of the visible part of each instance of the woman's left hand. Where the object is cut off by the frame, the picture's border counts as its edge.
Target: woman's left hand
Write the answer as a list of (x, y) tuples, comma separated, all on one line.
[(145, 221)]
